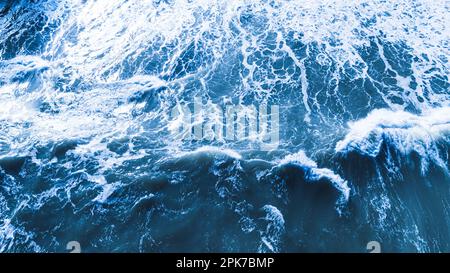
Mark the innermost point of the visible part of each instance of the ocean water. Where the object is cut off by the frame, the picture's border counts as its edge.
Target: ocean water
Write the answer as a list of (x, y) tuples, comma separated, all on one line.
[(89, 150)]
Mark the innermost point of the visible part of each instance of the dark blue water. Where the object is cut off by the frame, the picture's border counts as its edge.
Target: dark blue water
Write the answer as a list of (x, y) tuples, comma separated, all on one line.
[(90, 150)]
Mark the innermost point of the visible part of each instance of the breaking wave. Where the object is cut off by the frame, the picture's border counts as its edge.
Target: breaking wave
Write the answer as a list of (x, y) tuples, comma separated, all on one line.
[(88, 154)]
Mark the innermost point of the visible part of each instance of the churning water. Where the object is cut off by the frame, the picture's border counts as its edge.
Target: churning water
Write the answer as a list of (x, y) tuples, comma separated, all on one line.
[(89, 151)]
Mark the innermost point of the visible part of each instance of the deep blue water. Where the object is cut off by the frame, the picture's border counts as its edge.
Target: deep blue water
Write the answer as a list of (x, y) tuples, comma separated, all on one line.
[(90, 152)]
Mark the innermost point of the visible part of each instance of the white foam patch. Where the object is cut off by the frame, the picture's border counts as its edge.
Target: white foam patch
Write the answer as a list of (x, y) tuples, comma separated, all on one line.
[(11, 234), (316, 173), (271, 235), (108, 188), (211, 150), (422, 24), (94, 115), (406, 131), (97, 40), (300, 158)]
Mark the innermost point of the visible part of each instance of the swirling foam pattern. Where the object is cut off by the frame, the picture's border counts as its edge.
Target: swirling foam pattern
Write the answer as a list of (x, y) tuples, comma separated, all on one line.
[(88, 154)]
